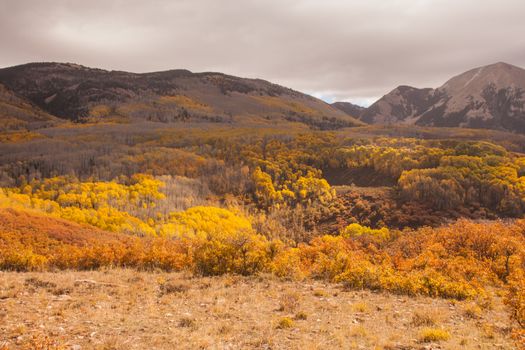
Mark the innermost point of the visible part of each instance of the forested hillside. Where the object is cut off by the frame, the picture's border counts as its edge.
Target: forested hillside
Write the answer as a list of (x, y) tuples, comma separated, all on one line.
[(83, 94)]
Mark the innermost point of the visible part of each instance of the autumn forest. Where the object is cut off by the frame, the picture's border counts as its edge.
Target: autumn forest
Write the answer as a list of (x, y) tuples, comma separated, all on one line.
[(439, 217)]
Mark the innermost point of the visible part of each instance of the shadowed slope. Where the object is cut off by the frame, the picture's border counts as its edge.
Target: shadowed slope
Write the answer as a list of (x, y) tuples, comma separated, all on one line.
[(76, 92)]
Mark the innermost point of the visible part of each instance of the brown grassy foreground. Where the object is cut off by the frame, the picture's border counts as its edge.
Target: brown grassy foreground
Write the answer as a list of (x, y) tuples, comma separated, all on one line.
[(126, 309)]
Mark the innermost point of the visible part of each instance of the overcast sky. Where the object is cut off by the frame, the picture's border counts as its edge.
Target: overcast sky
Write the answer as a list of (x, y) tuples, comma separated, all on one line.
[(337, 50)]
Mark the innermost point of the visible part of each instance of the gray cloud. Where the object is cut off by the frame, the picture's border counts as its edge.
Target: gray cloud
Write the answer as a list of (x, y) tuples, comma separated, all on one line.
[(337, 50)]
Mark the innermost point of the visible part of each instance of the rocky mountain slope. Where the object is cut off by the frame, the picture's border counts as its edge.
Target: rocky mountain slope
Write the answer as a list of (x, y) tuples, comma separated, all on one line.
[(490, 97), (403, 104), (79, 93)]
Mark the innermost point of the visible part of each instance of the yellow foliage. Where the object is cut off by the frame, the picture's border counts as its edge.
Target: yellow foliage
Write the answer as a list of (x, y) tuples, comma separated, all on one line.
[(207, 223), (516, 297), (428, 335), (356, 230), (23, 260), (285, 322), (99, 111), (264, 189), (455, 261), (101, 204), (287, 264), (278, 102), (186, 102), (14, 137), (306, 190)]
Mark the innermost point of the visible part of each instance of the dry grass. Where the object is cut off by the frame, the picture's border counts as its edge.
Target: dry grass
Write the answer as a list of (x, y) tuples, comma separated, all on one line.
[(472, 311), (126, 309), (361, 307), (289, 302), (426, 317)]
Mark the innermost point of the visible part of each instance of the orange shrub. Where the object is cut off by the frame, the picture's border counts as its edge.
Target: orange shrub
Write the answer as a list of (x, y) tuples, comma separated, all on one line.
[(456, 261)]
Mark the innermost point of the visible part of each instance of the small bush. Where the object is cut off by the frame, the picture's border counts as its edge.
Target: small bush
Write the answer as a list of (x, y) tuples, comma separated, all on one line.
[(289, 302), (428, 335), (516, 299), (285, 322), (359, 331), (171, 288), (472, 311), (187, 322), (301, 315), (22, 260), (37, 283), (488, 331), (424, 318), (319, 293), (360, 307)]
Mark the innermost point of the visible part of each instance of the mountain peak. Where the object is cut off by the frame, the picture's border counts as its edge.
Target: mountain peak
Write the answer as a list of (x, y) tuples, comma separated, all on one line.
[(502, 65), (491, 96), (500, 74), (405, 88)]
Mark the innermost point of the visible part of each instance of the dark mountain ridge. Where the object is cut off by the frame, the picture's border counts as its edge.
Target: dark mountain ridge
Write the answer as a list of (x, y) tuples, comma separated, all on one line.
[(79, 93)]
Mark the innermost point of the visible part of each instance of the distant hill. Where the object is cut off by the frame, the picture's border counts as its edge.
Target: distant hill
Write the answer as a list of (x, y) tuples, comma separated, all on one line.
[(349, 108), (79, 93), (489, 97)]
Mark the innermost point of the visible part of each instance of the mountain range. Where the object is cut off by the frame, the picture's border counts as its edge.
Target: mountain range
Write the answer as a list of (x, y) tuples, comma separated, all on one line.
[(36, 95), (77, 93), (490, 97)]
